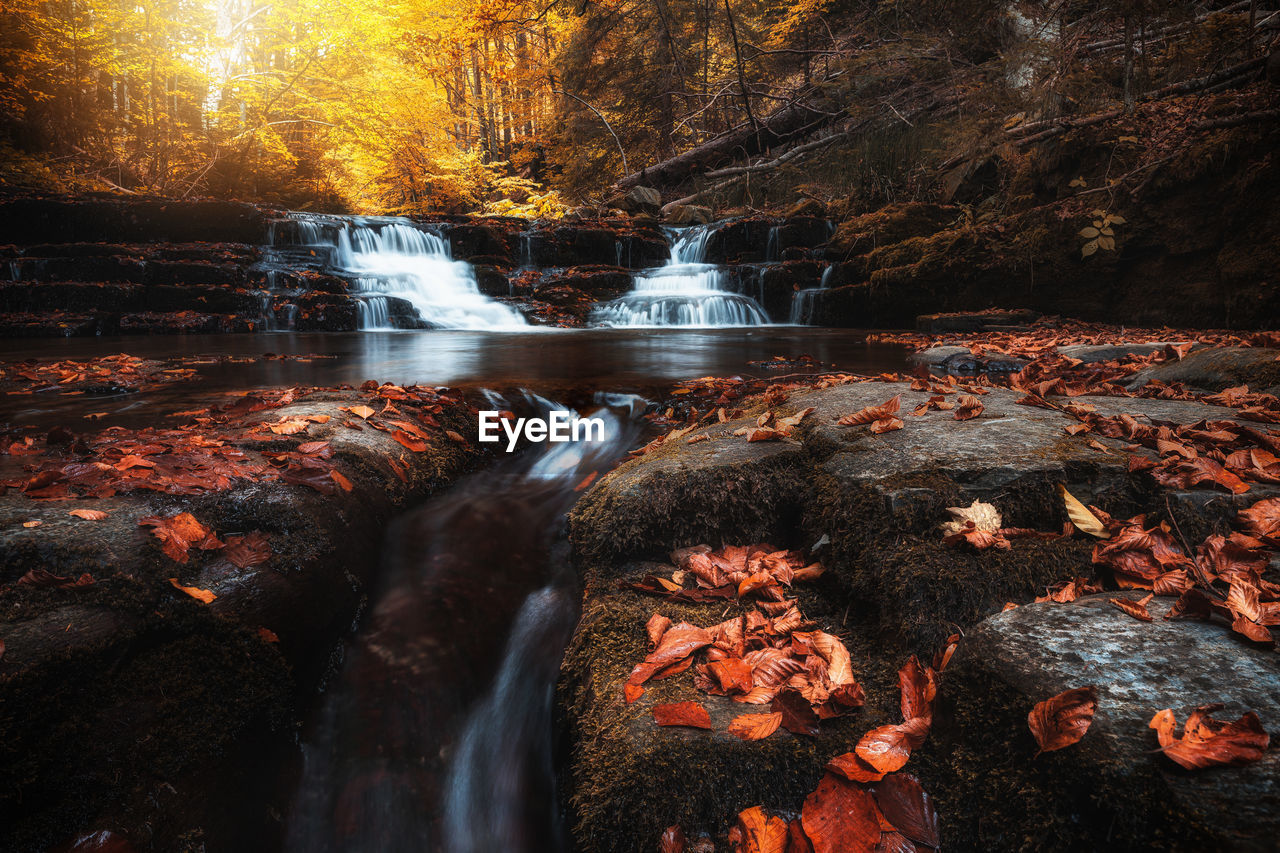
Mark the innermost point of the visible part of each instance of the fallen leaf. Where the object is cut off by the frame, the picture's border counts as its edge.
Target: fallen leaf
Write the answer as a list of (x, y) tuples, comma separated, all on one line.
[(755, 726), (797, 712), (179, 533), (343, 483), (1136, 609), (1084, 520), (983, 515), (673, 840), (1207, 742), (1062, 720), (840, 818), (906, 805), (632, 692), (247, 551), (88, 514), (288, 427), (202, 595), (888, 748), (35, 523), (267, 635), (872, 413), (968, 407), (758, 832), (690, 714), (362, 412)]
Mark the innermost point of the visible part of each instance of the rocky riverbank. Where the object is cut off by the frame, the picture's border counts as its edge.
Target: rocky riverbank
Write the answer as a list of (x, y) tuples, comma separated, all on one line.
[(170, 596), (867, 500)]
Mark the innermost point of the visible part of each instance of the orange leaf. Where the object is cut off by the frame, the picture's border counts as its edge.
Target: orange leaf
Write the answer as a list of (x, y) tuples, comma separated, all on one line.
[(761, 833), (632, 692), (267, 635), (179, 533), (88, 514), (1063, 719), (967, 407), (343, 483), (884, 425), (690, 714), (887, 748), (872, 413), (288, 427), (755, 726), (202, 595), (1136, 609), (362, 412), (409, 441), (1207, 742)]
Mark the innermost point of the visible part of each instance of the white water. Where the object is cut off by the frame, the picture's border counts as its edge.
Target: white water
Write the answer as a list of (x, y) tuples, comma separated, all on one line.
[(389, 258), (687, 291), (395, 259), (803, 302)]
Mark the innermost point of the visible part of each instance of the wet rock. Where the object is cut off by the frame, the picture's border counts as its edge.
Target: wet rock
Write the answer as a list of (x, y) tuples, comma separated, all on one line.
[(491, 281), (1114, 784), (936, 356), (492, 240), (738, 240), (599, 281), (644, 200), (1218, 368), (1093, 353), (975, 321), (688, 214), (90, 220), (124, 693), (801, 233), (779, 283)]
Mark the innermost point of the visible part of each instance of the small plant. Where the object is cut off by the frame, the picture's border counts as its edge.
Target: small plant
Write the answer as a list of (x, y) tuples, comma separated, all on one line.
[(1100, 234)]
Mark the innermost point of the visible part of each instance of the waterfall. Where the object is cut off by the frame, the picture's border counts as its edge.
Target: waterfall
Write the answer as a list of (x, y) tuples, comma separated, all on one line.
[(390, 259), (687, 291), (804, 302)]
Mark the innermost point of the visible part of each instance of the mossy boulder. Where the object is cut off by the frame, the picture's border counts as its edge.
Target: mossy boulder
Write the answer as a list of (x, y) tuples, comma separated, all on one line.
[(1113, 790)]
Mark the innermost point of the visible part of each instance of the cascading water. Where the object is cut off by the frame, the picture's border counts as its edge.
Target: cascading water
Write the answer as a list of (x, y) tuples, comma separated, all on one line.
[(388, 259), (805, 302), (436, 731), (687, 291)]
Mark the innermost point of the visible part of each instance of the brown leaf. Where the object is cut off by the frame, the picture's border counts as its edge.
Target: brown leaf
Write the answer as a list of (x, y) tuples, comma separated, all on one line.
[(249, 550), (690, 714), (343, 483), (755, 726), (872, 413), (678, 642), (655, 628), (1136, 609), (267, 635), (884, 425), (1263, 520), (906, 805), (840, 818), (288, 427), (850, 766), (201, 595), (1207, 742), (404, 438), (362, 412), (88, 514), (797, 712), (1063, 719), (918, 688), (968, 407)]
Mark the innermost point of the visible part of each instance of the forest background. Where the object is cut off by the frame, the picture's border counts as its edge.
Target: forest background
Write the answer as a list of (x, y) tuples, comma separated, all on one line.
[(532, 108)]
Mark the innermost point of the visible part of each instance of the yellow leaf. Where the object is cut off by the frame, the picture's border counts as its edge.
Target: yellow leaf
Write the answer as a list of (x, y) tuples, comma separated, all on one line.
[(1089, 248), (1088, 232), (1107, 243), (1081, 517), (1117, 220)]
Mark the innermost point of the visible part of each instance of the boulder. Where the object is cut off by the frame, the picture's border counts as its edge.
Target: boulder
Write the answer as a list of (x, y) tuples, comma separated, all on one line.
[(1217, 368), (975, 321), (644, 200), (937, 356), (1093, 353), (1114, 787), (688, 214), (809, 207)]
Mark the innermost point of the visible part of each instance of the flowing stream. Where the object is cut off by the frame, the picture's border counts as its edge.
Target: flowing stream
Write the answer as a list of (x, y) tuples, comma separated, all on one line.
[(435, 733), (687, 291)]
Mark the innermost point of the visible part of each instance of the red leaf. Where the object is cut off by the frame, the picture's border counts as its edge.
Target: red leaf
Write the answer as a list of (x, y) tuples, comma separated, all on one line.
[(918, 689), (797, 712), (690, 714), (673, 840), (840, 818), (1063, 719), (180, 533), (761, 833), (249, 550), (888, 748)]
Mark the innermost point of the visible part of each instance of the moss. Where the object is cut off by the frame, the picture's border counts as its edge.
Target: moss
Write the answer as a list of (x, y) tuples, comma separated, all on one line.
[(627, 779), (994, 793), (749, 501)]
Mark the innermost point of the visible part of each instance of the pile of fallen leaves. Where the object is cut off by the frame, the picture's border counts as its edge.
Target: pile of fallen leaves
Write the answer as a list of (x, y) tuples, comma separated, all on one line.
[(770, 655), (208, 454), (112, 373), (863, 802)]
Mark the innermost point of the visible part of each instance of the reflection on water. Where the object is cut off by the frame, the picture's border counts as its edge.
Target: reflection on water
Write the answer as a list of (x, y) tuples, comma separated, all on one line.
[(617, 358)]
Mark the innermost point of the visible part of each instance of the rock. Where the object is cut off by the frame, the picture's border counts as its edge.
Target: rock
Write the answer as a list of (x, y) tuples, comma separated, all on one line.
[(974, 321), (688, 214), (935, 356), (891, 224), (644, 200), (1217, 368), (1093, 353), (491, 281), (809, 207), (1020, 657), (738, 240)]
